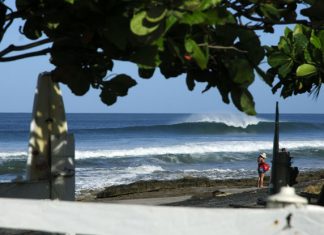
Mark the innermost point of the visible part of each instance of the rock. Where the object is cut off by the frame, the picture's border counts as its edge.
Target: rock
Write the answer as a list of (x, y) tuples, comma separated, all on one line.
[(167, 185)]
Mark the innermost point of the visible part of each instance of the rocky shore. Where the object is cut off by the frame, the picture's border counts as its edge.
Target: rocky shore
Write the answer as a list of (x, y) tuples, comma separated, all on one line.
[(197, 192)]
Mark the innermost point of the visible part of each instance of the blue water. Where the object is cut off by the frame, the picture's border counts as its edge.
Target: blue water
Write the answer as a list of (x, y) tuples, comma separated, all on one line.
[(122, 148)]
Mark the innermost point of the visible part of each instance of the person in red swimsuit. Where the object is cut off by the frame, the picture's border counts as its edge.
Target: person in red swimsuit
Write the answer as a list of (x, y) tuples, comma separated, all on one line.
[(263, 167)]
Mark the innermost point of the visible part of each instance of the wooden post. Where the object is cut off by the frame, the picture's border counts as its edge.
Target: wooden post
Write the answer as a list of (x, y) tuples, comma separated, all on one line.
[(273, 187)]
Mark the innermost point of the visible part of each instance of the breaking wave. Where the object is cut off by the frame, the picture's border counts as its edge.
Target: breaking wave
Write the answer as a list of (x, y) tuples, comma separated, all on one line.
[(201, 149)]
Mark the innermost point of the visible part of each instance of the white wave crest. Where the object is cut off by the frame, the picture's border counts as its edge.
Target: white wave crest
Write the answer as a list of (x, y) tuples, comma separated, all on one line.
[(13, 154), (145, 169), (229, 119), (200, 148), (290, 145), (189, 148), (96, 178)]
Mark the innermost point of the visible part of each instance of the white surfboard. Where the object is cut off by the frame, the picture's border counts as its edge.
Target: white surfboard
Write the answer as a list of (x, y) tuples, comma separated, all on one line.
[(50, 165), (48, 118)]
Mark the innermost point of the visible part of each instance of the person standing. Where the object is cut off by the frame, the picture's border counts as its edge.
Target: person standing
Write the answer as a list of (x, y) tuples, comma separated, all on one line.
[(263, 167)]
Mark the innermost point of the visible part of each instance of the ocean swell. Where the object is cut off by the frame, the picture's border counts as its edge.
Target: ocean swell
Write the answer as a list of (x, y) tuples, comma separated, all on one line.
[(209, 128), (201, 148)]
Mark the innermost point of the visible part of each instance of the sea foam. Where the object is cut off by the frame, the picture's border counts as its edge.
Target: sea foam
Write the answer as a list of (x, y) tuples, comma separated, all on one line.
[(229, 119), (13, 154), (199, 148)]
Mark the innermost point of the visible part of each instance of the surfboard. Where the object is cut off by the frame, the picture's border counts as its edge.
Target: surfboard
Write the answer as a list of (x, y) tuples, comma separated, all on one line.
[(48, 119)]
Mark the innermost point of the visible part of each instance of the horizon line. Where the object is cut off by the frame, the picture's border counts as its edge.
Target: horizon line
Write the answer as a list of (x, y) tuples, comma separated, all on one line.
[(164, 113)]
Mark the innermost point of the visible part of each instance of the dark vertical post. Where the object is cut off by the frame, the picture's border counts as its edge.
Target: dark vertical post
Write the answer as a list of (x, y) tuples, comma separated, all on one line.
[(274, 187), (281, 163), (276, 133)]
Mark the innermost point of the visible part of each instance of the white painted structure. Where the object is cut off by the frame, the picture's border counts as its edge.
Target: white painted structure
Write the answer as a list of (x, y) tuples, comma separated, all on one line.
[(286, 197), (106, 219)]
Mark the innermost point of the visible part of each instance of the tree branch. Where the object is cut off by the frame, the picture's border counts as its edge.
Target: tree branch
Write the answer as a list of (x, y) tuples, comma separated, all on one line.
[(13, 15), (241, 11), (22, 56), (6, 27), (222, 47), (12, 47), (9, 19)]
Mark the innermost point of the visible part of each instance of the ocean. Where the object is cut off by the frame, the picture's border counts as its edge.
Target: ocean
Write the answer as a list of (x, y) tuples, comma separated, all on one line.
[(116, 149)]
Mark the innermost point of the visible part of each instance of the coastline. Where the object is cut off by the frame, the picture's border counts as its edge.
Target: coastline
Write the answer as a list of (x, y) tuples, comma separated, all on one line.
[(196, 192)]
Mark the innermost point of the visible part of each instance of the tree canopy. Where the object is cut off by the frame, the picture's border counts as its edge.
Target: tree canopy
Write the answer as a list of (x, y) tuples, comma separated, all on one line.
[(214, 42)]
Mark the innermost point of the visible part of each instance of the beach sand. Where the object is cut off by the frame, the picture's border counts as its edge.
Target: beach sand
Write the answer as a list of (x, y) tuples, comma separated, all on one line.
[(198, 192)]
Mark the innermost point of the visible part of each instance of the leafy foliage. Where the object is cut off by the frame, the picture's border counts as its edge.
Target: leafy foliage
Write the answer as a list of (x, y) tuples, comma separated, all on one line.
[(298, 61), (211, 41)]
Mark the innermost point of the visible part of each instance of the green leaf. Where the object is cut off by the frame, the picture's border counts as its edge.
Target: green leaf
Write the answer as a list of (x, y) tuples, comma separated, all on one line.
[(151, 38), (190, 81), (192, 5), (270, 76), (306, 70), (75, 77), (32, 29), (108, 98), (284, 45), (270, 11), (321, 38), (156, 14), (315, 11), (117, 33), (193, 18), (121, 83), (300, 43), (117, 86), (145, 56), (66, 52), (209, 3), (285, 69), (195, 51), (52, 25), (79, 85), (226, 35), (145, 73), (171, 64), (307, 56), (219, 16), (21, 5), (241, 72), (243, 100), (315, 41), (170, 21), (137, 26), (298, 29), (250, 42), (70, 1), (287, 32), (277, 59), (262, 74)]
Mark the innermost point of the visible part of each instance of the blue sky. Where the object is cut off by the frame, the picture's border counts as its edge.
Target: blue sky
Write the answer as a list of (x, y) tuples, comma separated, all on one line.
[(157, 95)]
